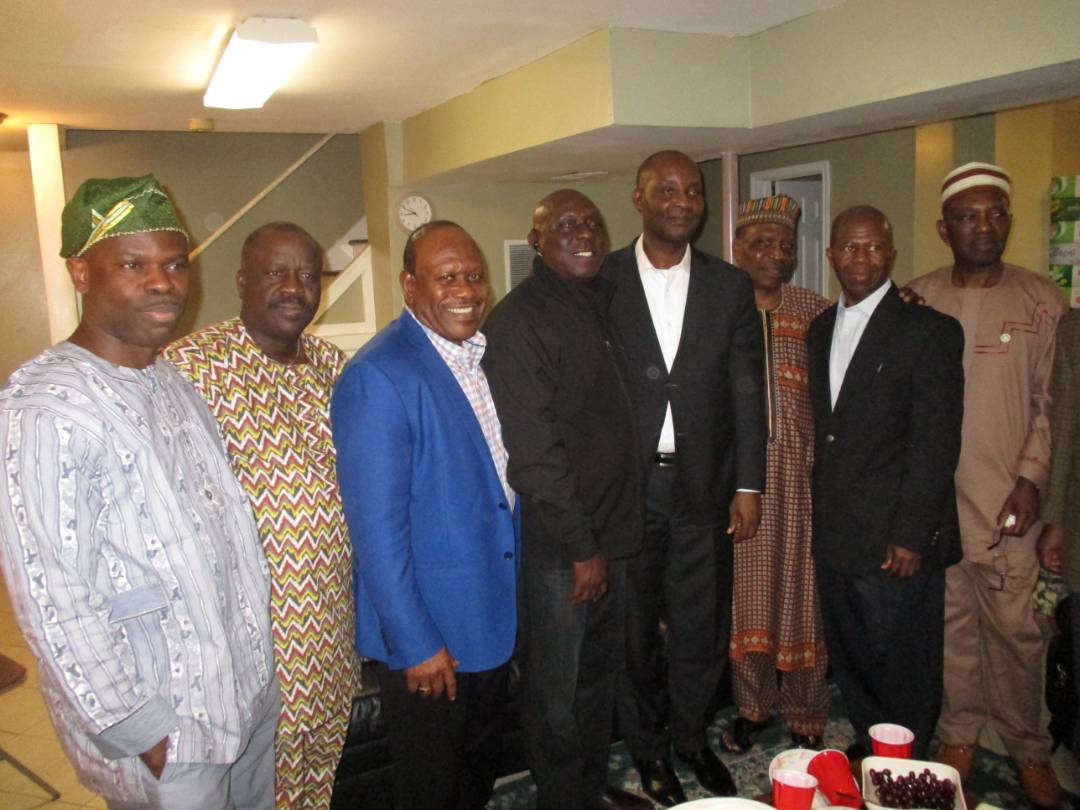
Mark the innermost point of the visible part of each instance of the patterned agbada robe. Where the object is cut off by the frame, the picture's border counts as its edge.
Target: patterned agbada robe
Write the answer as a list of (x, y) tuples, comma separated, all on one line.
[(775, 606), (276, 424)]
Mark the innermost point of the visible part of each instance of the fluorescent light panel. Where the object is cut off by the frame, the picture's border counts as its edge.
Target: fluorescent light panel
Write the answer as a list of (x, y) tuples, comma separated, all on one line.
[(260, 56)]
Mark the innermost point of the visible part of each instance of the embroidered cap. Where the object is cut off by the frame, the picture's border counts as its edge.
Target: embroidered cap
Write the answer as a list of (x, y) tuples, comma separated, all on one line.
[(114, 207), (777, 210), (973, 175)]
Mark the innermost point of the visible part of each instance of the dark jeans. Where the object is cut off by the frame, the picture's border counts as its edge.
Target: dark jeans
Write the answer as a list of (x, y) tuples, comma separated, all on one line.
[(573, 654), (683, 577), (445, 754), (886, 640)]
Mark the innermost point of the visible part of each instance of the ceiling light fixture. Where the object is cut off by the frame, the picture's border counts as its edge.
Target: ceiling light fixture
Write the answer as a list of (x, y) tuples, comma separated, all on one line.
[(260, 56)]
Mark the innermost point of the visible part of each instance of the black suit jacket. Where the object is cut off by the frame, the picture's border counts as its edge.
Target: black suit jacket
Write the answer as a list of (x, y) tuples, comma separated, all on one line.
[(715, 383), (885, 455)]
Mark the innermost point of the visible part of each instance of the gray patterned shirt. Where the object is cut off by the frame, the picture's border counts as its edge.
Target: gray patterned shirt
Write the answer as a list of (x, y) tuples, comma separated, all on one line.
[(134, 565)]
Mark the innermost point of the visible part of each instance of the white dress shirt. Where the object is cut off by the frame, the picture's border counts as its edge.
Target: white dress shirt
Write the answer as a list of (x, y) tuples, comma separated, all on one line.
[(847, 332), (665, 293)]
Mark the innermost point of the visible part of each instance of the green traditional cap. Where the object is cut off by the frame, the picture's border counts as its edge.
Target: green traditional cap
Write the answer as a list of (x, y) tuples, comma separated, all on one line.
[(777, 210), (114, 207)]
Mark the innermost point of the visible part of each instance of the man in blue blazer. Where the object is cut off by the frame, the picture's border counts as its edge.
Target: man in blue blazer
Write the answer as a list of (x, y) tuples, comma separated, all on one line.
[(422, 470)]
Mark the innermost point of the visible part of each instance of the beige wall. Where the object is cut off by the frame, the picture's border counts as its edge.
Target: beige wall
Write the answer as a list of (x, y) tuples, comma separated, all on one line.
[(211, 175), (1066, 158), (24, 329), (690, 80), (865, 51), (861, 52), (570, 87)]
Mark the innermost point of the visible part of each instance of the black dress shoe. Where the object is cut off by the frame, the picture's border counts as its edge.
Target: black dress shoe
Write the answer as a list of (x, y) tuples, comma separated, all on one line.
[(710, 772), (659, 781), (807, 741), (614, 798), (740, 737)]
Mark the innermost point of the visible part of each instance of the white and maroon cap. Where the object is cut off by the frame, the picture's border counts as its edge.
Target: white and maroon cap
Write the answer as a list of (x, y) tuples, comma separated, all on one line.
[(973, 175)]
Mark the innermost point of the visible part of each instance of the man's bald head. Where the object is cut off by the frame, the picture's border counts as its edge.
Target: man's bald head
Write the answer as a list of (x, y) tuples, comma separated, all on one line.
[(657, 160), (408, 258), (859, 212), (570, 235), (556, 200)]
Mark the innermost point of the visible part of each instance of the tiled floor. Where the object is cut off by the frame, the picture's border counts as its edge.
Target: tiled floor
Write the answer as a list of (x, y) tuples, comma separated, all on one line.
[(28, 736)]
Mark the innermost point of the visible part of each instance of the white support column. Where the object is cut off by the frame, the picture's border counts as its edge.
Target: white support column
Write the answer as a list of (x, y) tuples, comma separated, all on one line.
[(729, 190), (48, 179)]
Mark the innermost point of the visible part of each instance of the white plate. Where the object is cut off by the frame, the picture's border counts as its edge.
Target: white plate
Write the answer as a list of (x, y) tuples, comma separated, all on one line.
[(901, 767), (734, 803), (796, 759)]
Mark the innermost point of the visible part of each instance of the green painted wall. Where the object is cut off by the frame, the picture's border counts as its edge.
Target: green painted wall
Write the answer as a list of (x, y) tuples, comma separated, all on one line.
[(973, 139), (877, 169), (212, 175), (711, 237)]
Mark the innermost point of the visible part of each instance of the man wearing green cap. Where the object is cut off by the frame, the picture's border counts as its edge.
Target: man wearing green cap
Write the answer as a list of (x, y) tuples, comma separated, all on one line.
[(129, 550)]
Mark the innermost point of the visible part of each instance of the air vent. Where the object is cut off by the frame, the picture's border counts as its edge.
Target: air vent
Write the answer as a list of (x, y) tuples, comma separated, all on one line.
[(583, 175), (518, 258)]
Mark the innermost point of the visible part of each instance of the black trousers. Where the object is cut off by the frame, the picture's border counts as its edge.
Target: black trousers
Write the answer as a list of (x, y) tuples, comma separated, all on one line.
[(886, 640), (445, 754), (574, 654), (682, 578)]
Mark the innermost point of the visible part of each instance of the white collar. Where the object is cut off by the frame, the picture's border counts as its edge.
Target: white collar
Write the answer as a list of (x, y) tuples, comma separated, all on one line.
[(644, 264), (869, 304)]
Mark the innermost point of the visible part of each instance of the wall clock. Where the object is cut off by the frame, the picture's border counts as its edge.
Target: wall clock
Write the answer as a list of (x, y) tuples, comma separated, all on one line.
[(414, 211)]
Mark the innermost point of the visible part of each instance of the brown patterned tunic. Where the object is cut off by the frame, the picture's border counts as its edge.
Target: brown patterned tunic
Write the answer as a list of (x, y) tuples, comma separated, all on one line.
[(775, 606)]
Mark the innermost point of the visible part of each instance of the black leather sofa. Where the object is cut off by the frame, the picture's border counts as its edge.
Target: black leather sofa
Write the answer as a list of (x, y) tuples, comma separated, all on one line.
[(364, 777)]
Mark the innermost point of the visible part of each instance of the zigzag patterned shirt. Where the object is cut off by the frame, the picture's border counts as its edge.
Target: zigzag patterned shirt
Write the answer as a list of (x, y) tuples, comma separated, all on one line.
[(276, 423)]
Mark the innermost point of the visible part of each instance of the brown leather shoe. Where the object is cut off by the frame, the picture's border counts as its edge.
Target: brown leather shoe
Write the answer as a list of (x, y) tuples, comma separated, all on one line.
[(956, 756), (1039, 783)]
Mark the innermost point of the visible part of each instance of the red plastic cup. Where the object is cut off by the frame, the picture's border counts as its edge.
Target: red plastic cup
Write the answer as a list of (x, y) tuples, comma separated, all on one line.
[(793, 790), (891, 740), (833, 771)]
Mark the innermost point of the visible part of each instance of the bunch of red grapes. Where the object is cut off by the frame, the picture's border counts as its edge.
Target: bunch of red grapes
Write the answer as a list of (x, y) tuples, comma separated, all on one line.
[(922, 791)]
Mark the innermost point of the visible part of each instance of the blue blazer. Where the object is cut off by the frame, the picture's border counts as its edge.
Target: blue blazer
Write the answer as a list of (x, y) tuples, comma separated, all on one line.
[(435, 543)]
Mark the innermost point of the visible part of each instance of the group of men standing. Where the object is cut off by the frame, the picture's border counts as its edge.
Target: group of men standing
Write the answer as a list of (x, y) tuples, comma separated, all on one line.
[(632, 438)]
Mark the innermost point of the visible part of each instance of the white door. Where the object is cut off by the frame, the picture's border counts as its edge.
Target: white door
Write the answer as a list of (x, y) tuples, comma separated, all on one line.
[(808, 185), (807, 193)]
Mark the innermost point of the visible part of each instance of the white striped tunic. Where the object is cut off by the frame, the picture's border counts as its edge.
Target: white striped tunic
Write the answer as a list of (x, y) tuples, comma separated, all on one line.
[(134, 565)]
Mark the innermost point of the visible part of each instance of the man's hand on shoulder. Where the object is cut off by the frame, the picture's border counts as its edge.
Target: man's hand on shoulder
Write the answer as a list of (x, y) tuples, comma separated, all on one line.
[(745, 515), (156, 757), (909, 296), (590, 580), (901, 562), (434, 677)]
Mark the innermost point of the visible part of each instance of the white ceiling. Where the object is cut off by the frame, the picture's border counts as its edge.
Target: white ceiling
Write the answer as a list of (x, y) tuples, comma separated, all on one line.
[(143, 64)]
